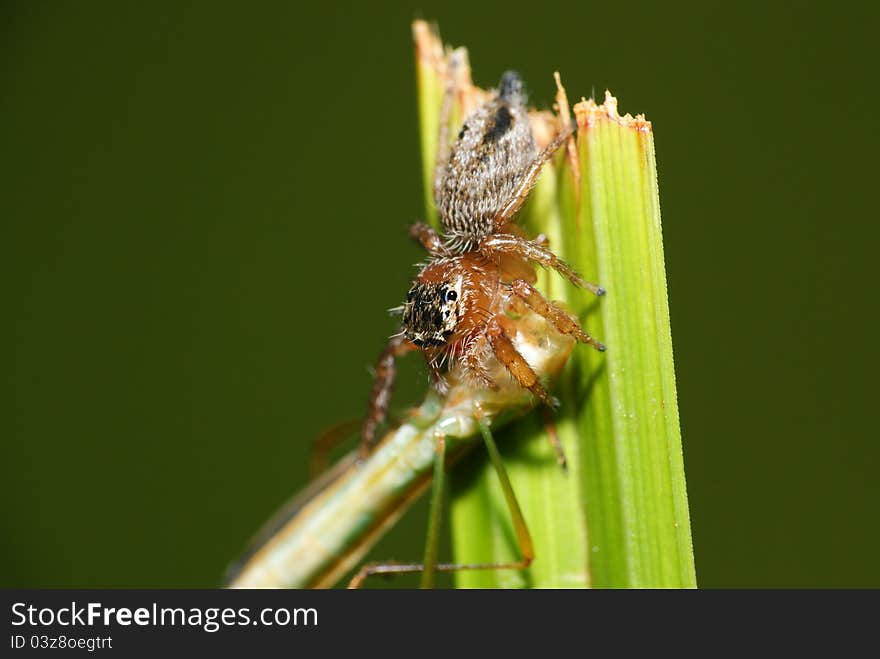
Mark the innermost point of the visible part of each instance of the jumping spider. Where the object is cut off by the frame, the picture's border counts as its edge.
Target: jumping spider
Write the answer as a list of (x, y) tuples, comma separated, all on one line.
[(480, 268)]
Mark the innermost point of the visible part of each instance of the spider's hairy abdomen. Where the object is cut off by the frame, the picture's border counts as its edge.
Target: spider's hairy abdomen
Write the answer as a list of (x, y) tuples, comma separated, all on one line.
[(487, 164)]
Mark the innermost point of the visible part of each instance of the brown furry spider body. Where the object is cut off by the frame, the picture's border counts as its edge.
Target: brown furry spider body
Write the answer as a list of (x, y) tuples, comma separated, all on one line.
[(481, 267)]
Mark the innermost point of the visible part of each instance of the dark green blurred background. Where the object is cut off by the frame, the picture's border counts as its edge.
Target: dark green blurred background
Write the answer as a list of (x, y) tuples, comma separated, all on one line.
[(203, 222)]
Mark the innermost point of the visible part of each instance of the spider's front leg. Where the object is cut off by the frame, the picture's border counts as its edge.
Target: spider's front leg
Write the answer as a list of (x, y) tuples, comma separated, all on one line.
[(499, 331), (383, 384), (527, 295)]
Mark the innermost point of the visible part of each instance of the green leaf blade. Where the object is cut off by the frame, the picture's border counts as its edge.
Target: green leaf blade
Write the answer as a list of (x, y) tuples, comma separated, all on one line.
[(639, 514)]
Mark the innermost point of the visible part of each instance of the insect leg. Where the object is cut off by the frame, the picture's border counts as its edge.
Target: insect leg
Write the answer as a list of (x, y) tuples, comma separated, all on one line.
[(530, 178), (526, 546), (433, 537), (383, 384), (524, 538), (527, 249), (561, 320), (319, 457)]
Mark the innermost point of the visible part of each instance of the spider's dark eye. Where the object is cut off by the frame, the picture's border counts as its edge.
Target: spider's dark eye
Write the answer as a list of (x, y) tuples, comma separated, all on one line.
[(451, 296)]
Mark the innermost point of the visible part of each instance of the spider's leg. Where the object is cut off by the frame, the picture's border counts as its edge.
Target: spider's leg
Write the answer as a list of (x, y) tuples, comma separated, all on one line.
[(428, 238), (519, 197), (527, 249), (383, 384), (561, 320), (499, 332)]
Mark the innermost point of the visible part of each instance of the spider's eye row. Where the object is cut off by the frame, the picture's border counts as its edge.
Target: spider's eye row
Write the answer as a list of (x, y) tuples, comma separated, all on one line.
[(450, 296)]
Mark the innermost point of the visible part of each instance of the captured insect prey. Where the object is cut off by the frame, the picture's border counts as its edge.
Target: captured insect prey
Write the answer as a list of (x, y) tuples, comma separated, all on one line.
[(480, 268)]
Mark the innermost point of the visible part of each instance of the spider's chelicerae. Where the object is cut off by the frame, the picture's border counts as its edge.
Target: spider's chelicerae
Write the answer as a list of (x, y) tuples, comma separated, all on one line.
[(481, 266)]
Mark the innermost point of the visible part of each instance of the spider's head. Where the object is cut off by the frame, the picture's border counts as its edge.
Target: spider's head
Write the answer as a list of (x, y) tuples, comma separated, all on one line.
[(432, 312)]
